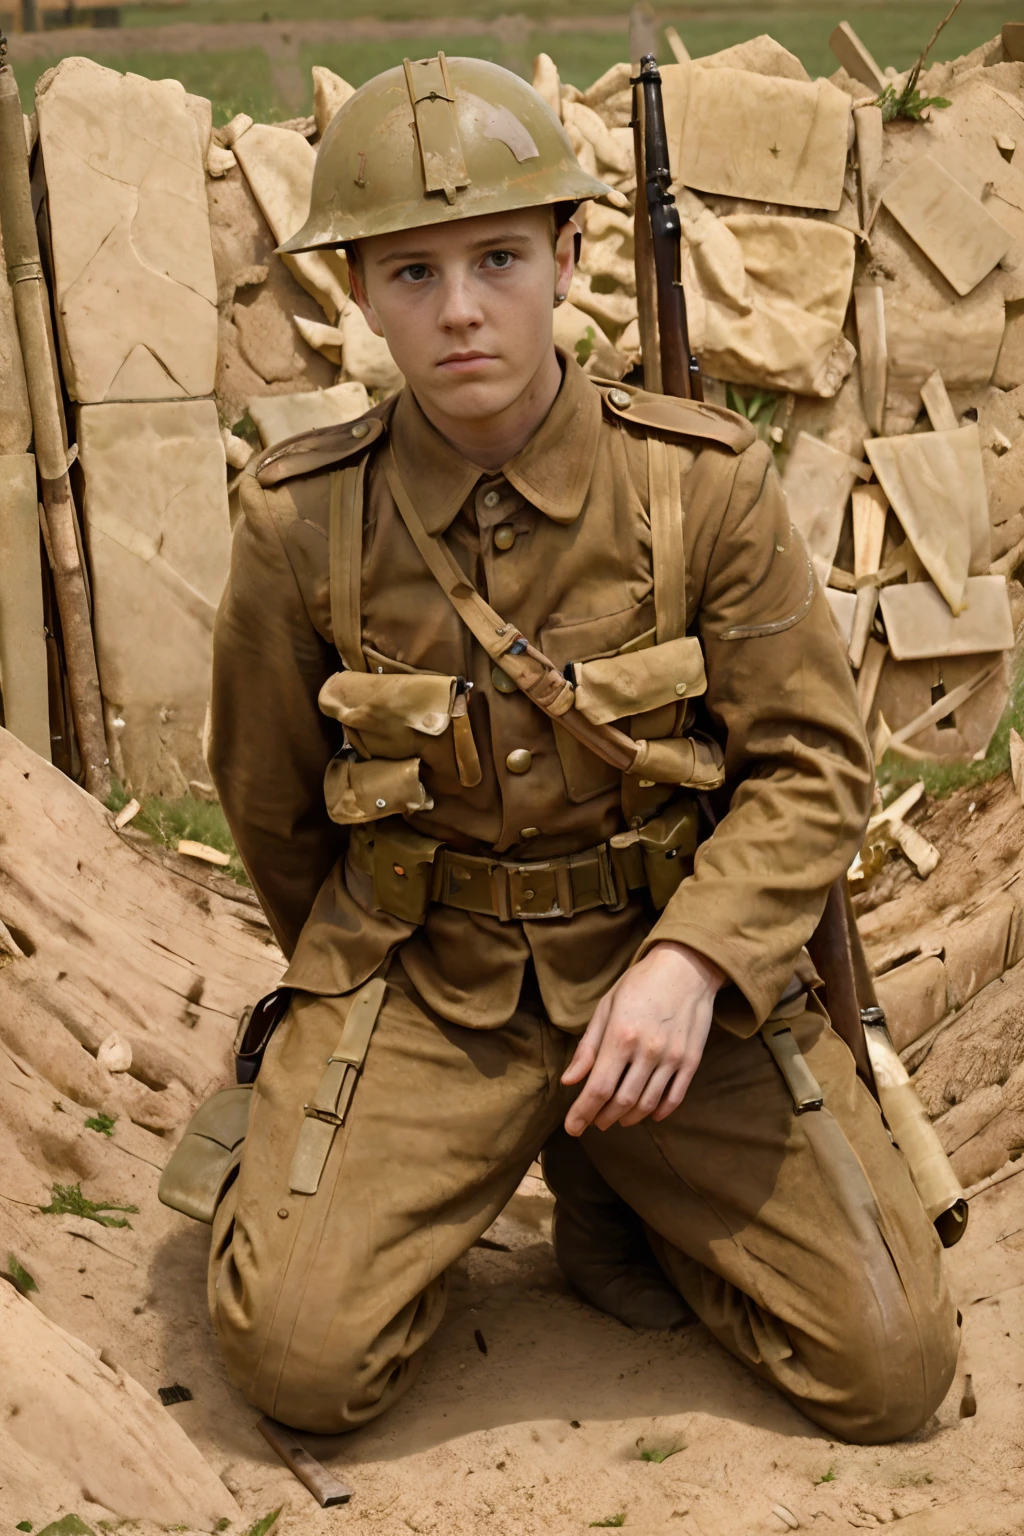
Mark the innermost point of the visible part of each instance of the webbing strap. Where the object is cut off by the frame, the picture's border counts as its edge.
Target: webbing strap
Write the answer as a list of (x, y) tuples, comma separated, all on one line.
[(329, 1105), (528, 668), (346, 563), (668, 559)]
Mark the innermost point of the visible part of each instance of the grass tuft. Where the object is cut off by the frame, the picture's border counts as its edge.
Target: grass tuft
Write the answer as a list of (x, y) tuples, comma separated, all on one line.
[(613, 1521), (262, 1526), (22, 1280), (68, 1200), (658, 1454), (168, 821), (102, 1123), (827, 1477)]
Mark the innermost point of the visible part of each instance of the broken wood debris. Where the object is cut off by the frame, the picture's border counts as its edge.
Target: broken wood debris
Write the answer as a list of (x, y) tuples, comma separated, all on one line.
[(327, 1489)]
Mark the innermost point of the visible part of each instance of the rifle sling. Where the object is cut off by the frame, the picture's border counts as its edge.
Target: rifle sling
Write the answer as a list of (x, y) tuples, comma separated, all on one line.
[(529, 669)]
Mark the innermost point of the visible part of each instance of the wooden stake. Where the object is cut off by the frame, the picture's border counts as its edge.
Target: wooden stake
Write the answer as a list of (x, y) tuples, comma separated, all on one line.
[(322, 1484), (25, 272)]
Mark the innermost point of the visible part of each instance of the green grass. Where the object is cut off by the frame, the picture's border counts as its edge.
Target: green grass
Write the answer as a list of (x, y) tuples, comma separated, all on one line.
[(240, 79), (17, 1272), (262, 1526), (826, 1477), (613, 1522), (68, 1200), (168, 821), (102, 1123), (941, 779)]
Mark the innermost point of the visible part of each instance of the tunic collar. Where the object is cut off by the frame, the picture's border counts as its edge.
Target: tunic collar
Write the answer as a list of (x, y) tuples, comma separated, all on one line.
[(553, 471)]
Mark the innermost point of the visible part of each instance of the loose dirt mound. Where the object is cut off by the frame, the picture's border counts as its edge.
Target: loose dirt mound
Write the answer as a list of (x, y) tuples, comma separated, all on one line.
[(544, 1432)]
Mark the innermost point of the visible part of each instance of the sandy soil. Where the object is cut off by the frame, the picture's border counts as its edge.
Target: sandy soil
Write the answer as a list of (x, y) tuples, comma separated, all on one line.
[(543, 1433)]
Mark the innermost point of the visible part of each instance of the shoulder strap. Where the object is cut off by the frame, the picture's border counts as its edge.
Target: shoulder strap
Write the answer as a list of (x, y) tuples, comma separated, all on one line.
[(684, 418), (529, 669), (668, 558), (346, 563), (321, 448)]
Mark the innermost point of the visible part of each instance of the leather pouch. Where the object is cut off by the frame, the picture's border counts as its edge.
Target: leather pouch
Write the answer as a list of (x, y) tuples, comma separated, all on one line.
[(384, 715), (356, 792), (668, 844), (403, 870), (204, 1162), (631, 684), (691, 761)]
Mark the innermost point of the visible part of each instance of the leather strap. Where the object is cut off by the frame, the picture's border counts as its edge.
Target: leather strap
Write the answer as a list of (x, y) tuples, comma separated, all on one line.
[(328, 1107), (668, 560), (346, 563), (529, 669)]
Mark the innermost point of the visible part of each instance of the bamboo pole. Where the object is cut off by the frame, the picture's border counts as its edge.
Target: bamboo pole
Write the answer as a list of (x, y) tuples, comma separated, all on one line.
[(25, 273)]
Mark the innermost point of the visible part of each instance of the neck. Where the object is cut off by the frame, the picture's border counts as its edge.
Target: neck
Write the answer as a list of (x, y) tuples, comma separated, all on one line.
[(493, 440)]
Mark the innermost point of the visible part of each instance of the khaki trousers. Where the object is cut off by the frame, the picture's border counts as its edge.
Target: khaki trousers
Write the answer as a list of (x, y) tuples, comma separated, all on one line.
[(798, 1240)]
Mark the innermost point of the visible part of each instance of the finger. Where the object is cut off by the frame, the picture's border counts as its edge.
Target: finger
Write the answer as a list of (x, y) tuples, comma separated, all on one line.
[(628, 1092), (604, 1079), (589, 1044), (652, 1095), (676, 1091)]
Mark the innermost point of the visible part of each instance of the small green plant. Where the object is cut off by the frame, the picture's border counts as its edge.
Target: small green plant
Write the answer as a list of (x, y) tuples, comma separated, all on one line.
[(758, 407), (22, 1280), (827, 1477), (68, 1200), (613, 1522), (102, 1123), (23, 1525), (907, 103), (222, 1524), (262, 1526), (658, 1454), (585, 345)]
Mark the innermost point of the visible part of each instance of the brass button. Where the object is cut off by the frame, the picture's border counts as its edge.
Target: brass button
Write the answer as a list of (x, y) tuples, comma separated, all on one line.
[(519, 761), (619, 399), (680, 689), (528, 832), (360, 429), (502, 681), (504, 536), (491, 500), (529, 895), (283, 1214)]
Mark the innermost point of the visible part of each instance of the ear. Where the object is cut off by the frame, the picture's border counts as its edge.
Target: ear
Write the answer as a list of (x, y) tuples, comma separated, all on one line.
[(565, 256), (359, 294)]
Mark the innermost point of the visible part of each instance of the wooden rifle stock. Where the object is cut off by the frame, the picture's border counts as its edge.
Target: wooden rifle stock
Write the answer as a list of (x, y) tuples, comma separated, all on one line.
[(679, 369)]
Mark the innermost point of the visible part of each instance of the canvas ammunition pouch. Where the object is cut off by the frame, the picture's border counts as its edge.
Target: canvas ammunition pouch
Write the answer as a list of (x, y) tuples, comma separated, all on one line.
[(206, 1159), (409, 871)]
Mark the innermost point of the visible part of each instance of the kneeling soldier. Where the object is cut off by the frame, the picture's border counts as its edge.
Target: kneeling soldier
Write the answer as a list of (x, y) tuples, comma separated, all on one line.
[(535, 737)]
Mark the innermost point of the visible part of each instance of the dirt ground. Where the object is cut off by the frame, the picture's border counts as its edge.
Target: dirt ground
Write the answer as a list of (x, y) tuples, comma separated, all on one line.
[(533, 1410)]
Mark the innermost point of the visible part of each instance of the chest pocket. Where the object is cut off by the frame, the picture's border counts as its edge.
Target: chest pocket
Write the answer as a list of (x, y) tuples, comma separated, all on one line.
[(389, 715)]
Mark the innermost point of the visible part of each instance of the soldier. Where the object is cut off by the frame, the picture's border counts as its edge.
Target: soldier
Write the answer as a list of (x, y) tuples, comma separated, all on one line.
[(537, 742)]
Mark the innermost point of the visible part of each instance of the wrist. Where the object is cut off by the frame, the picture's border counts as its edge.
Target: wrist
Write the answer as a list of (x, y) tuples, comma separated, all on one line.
[(690, 963)]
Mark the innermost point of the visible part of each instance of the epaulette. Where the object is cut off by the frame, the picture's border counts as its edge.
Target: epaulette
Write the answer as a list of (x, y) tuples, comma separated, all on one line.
[(684, 418), (321, 448)]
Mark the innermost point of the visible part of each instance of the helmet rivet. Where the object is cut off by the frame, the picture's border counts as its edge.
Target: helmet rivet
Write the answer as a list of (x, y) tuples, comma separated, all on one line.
[(619, 398), (360, 429)]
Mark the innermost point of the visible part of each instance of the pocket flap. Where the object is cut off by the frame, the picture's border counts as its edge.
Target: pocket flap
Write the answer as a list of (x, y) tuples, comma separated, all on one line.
[(371, 701), (357, 792), (638, 681)]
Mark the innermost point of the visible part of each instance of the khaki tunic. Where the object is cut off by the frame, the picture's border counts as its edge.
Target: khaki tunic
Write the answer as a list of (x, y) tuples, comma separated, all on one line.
[(798, 1239), (577, 582)]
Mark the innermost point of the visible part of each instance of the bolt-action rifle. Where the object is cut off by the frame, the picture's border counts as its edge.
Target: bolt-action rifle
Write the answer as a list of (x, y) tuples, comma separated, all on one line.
[(670, 367)]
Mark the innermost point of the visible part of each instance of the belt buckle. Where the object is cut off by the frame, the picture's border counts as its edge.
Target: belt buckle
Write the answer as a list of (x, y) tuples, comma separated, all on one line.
[(533, 891)]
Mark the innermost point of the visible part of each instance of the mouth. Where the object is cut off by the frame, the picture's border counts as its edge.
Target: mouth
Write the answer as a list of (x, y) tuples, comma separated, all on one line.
[(466, 362)]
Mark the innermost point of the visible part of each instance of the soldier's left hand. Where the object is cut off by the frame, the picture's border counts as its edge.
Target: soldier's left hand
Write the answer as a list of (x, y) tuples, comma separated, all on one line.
[(645, 1041)]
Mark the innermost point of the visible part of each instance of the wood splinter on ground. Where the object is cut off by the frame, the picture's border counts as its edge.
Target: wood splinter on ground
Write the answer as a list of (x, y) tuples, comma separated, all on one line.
[(322, 1484), (203, 851)]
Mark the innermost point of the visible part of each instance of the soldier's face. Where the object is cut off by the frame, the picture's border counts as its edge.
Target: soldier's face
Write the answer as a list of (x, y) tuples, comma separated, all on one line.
[(466, 308)]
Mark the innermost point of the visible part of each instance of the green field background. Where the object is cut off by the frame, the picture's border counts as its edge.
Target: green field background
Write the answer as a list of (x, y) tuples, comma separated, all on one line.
[(241, 79)]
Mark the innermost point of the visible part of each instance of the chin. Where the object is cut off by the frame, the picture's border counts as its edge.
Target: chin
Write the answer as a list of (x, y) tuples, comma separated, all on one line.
[(473, 399)]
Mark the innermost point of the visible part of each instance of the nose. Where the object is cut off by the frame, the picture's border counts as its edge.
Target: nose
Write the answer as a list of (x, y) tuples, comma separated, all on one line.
[(460, 307)]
